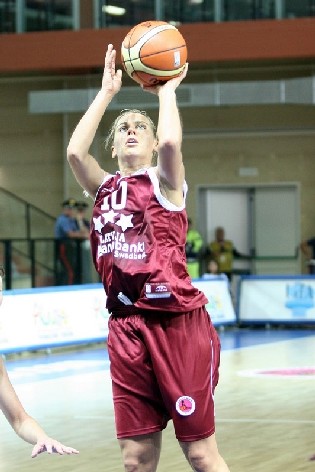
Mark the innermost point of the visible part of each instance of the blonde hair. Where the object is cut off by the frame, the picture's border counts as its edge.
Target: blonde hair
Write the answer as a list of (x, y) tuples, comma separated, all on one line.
[(110, 137)]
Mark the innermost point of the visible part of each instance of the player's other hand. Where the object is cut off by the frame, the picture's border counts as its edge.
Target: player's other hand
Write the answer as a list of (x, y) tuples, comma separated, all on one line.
[(52, 446)]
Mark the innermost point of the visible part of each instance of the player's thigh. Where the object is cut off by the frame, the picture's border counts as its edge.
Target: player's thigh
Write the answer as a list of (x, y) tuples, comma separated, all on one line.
[(187, 372), (138, 404)]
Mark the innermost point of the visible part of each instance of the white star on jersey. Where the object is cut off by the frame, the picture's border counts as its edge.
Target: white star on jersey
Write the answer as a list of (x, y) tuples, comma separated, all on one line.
[(125, 222), (109, 217), (98, 225)]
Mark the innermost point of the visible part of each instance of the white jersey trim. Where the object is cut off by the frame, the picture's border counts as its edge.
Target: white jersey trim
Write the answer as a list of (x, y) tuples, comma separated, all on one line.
[(160, 198), (156, 186), (107, 177)]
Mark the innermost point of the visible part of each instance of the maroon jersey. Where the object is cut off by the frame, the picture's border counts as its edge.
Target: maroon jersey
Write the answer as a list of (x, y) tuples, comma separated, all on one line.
[(138, 246)]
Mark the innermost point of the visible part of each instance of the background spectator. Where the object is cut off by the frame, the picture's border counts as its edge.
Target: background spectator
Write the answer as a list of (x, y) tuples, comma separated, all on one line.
[(212, 269), (194, 244), (308, 249), (81, 217), (83, 222), (223, 252), (68, 248)]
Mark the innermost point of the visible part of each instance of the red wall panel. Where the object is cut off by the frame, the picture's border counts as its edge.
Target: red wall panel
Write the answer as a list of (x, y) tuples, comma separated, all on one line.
[(64, 51)]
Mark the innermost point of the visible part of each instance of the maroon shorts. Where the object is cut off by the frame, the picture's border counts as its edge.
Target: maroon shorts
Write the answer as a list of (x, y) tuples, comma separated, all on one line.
[(164, 366)]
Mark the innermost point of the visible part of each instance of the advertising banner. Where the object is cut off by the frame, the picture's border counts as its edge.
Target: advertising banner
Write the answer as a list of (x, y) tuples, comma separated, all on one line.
[(219, 306), (277, 299), (45, 318), (49, 317)]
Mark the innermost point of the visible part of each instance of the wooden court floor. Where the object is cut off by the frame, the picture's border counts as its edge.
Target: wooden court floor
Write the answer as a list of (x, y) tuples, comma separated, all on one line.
[(265, 407)]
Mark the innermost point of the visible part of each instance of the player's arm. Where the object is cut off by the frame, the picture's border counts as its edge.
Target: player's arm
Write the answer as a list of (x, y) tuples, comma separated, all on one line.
[(170, 168), (24, 425), (85, 168), (170, 160)]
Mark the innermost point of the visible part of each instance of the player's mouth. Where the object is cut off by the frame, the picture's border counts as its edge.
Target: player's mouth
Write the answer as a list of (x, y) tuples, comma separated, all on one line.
[(132, 141)]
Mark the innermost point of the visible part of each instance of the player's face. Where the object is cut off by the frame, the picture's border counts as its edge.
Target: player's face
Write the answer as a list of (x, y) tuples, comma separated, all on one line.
[(134, 136)]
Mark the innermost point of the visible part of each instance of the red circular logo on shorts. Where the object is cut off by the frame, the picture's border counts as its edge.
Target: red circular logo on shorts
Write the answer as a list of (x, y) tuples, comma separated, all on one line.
[(185, 405)]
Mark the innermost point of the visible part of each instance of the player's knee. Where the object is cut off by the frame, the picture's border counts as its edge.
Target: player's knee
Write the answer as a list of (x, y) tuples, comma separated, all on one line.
[(199, 461), (203, 456), (131, 460), (131, 465), (205, 463), (141, 453), (134, 464), (138, 460)]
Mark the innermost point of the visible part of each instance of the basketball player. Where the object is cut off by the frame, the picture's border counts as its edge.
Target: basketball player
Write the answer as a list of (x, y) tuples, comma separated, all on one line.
[(163, 349), (25, 426)]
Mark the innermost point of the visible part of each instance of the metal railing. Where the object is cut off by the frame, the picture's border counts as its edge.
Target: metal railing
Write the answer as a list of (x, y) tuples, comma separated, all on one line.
[(30, 253), (21, 219), (36, 262)]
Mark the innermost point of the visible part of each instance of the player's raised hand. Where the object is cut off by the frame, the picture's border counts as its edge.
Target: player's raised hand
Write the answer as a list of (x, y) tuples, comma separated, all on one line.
[(171, 84), (111, 81), (174, 83)]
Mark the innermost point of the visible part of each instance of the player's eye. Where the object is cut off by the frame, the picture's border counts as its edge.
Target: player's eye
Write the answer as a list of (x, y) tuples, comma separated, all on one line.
[(122, 128), (141, 126)]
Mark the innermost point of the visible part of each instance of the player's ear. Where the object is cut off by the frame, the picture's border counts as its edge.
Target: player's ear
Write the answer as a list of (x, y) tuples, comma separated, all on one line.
[(155, 151), (114, 155)]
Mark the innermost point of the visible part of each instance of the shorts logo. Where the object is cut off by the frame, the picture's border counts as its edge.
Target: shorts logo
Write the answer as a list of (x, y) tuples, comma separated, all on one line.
[(158, 290), (185, 406)]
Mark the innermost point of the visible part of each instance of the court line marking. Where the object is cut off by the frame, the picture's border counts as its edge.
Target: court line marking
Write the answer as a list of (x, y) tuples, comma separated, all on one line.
[(231, 350), (228, 420), (284, 373), (90, 417), (256, 420)]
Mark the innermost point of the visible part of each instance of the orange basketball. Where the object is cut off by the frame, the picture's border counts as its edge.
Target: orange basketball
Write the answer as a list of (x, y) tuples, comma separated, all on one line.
[(153, 52)]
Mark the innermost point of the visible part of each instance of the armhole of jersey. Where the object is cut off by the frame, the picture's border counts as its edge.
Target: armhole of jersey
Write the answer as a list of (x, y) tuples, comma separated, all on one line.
[(160, 198), (107, 177)]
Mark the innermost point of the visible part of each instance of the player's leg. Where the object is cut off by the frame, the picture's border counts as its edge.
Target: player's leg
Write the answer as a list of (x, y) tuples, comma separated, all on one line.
[(203, 455), (140, 414), (141, 453), (188, 373)]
